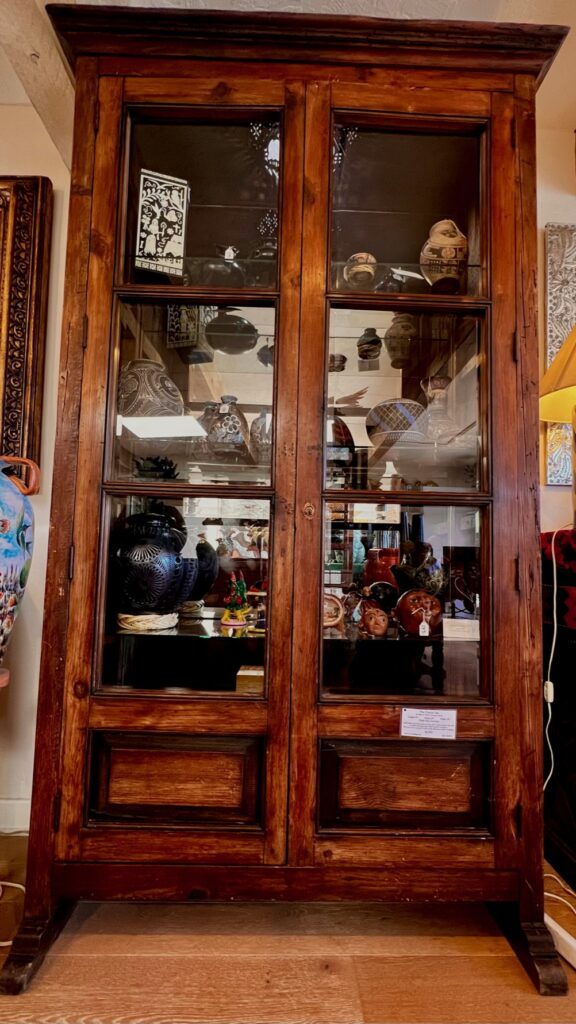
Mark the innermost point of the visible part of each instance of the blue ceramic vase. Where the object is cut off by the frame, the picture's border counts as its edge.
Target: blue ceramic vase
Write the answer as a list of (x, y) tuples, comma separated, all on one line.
[(16, 540)]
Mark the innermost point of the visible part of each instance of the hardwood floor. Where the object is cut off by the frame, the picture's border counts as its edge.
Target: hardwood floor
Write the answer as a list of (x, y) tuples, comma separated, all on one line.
[(280, 964)]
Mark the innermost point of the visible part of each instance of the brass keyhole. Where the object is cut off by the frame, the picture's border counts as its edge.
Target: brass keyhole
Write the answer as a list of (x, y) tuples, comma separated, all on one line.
[(309, 510)]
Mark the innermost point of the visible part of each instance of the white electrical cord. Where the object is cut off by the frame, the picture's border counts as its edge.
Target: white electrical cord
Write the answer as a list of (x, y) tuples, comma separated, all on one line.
[(16, 885), (548, 684)]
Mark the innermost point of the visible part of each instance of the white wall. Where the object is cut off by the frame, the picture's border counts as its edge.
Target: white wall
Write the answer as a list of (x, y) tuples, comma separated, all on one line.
[(26, 149)]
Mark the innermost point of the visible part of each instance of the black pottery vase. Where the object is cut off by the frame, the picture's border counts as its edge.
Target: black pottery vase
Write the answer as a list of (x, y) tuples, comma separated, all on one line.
[(152, 574)]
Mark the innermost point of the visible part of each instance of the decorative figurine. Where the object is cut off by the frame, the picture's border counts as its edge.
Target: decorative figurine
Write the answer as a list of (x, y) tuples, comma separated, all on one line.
[(373, 620), (236, 605), (444, 258), (360, 270)]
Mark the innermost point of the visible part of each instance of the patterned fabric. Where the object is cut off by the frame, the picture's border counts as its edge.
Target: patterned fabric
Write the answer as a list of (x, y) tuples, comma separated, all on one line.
[(565, 552)]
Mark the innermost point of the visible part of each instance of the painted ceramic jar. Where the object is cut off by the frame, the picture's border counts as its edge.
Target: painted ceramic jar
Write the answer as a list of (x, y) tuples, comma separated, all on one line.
[(145, 389), (369, 344), (16, 540), (360, 270), (399, 340), (444, 258), (419, 613), (228, 434)]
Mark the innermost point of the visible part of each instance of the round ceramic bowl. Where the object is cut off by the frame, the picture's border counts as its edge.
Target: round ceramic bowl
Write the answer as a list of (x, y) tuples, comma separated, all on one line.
[(396, 421)]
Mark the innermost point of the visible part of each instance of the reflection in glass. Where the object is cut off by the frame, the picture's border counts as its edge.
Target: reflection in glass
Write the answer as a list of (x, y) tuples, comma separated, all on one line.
[(405, 211), (195, 390), (203, 204), (185, 578), (402, 592), (403, 401)]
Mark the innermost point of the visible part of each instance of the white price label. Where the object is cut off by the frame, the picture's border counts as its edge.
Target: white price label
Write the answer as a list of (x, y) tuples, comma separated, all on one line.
[(429, 723)]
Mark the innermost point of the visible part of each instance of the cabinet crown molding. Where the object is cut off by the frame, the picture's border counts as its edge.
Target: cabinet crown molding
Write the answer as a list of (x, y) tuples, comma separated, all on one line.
[(85, 30)]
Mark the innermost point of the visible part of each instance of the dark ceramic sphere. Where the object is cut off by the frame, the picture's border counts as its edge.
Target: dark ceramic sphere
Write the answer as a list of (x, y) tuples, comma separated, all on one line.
[(231, 334)]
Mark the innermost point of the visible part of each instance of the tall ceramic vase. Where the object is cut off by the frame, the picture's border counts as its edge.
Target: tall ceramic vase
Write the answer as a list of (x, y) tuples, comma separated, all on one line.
[(16, 541)]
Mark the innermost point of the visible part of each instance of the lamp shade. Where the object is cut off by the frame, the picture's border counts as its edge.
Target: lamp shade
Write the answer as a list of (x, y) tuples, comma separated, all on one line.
[(558, 386)]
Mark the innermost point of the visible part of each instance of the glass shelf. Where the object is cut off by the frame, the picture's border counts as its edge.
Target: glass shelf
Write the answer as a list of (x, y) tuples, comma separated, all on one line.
[(396, 277)]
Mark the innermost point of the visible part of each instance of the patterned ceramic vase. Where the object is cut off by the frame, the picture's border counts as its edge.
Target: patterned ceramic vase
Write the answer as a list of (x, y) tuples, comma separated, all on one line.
[(145, 389), (16, 540), (261, 437), (153, 576), (444, 258), (399, 339), (228, 435), (369, 344)]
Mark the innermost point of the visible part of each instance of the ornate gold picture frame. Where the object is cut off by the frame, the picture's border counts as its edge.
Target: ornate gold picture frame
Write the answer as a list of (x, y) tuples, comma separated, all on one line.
[(25, 234)]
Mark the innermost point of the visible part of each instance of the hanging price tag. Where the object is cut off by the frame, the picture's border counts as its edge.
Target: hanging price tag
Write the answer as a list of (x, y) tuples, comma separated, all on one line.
[(424, 629)]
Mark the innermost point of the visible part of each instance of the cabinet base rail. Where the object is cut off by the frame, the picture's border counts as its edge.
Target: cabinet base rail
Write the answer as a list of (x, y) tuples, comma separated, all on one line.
[(531, 941)]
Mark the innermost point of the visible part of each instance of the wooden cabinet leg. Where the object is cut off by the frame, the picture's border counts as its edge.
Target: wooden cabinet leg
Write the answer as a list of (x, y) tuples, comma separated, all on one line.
[(534, 947), (30, 945)]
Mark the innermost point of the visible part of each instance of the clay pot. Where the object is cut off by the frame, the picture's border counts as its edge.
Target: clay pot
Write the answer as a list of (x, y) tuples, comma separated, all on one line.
[(444, 258), (369, 344), (145, 389), (377, 567), (399, 339), (153, 576), (416, 607)]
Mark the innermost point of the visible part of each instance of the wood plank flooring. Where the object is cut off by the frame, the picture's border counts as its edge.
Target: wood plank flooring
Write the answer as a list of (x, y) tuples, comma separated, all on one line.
[(283, 964)]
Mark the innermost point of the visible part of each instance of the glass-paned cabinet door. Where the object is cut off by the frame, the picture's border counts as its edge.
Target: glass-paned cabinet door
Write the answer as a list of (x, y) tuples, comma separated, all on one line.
[(184, 609), (405, 210), (405, 395), (403, 601), (194, 400), (202, 207)]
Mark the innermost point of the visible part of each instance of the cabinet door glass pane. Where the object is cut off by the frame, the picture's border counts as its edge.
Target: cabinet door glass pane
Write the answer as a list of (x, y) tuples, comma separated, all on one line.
[(203, 203), (194, 398), (402, 591), (405, 211), (403, 409), (185, 607)]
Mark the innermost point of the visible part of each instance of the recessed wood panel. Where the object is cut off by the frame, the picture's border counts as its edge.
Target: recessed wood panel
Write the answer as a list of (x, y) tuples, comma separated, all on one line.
[(404, 783), (183, 777), (173, 778)]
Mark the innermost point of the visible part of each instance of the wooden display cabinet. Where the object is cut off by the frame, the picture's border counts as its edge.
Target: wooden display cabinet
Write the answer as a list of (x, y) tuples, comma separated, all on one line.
[(250, 198)]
